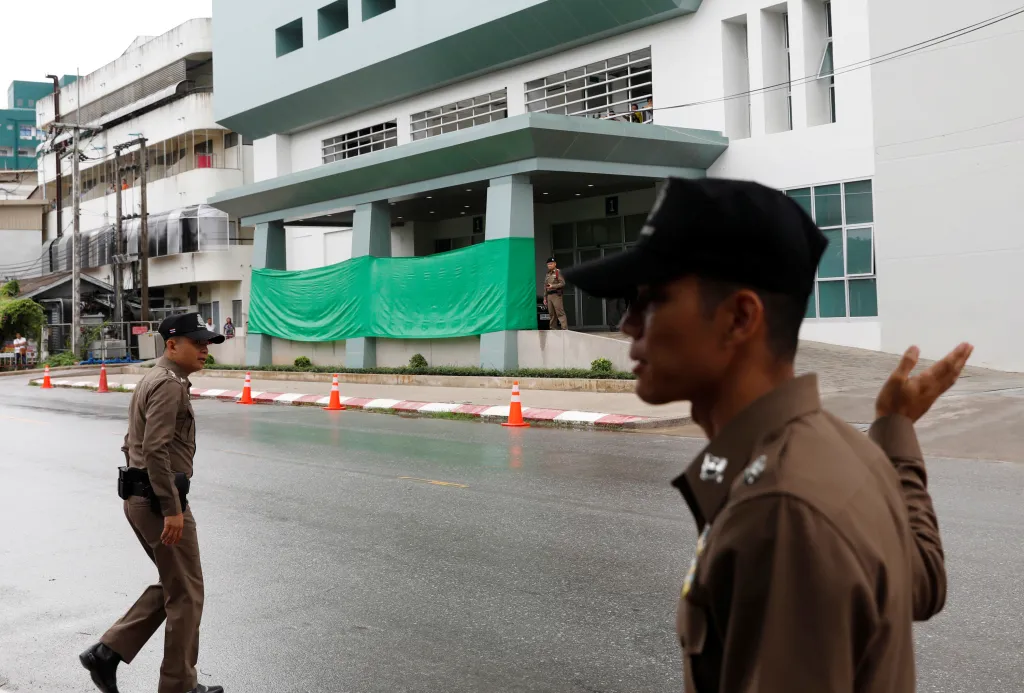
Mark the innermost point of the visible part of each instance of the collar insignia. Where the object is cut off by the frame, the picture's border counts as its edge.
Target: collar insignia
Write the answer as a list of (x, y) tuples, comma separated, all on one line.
[(754, 470), (713, 468)]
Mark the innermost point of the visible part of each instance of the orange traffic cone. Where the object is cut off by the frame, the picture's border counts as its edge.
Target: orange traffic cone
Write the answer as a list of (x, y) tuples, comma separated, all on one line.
[(103, 379), (47, 385), (515, 411), (335, 403), (247, 390)]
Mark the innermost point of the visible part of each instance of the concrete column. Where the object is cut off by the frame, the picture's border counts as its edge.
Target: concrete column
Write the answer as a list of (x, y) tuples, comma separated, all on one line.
[(371, 235), (268, 252), (509, 215)]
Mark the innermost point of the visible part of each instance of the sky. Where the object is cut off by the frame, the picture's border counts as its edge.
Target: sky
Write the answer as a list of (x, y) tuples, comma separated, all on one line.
[(68, 35)]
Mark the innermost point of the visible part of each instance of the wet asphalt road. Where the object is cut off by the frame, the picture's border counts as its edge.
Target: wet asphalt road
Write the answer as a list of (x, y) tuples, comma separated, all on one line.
[(546, 560)]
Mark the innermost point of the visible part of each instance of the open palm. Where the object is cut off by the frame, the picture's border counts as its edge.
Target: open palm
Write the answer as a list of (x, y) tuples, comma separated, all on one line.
[(914, 396)]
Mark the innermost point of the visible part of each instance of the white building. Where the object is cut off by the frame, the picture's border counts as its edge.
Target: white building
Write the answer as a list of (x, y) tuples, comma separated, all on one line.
[(470, 121), (160, 88)]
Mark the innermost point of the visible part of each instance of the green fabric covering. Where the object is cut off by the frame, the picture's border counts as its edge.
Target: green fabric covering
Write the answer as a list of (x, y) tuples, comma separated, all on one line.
[(486, 287)]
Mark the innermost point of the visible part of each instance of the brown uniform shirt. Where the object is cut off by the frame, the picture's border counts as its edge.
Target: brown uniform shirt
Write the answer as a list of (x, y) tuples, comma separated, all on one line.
[(816, 553), (553, 282), (161, 434)]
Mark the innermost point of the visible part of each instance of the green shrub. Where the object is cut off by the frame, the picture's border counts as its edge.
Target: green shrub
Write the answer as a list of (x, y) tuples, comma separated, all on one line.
[(582, 373), (210, 361), (601, 366), (417, 362), (303, 363), (64, 358)]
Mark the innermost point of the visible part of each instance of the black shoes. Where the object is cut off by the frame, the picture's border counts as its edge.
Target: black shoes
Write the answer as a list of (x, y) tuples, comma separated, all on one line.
[(101, 661), (207, 689)]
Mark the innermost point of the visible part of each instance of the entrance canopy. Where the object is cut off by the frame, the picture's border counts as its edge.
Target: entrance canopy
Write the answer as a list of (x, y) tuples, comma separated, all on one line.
[(550, 149)]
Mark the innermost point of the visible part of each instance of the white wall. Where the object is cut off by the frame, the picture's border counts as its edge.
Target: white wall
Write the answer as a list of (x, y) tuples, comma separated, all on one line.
[(193, 36), (17, 246), (308, 247), (950, 171)]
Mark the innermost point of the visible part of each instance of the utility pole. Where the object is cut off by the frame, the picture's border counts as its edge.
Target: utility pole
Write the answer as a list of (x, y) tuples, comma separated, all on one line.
[(76, 306), (60, 186), (118, 248), (144, 234)]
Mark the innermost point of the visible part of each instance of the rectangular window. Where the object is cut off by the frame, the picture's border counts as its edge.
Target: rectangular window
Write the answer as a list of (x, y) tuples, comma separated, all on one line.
[(289, 37), (332, 19), (460, 115), (230, 140), (619, 88), (373, 8), (789, 69), (6, 151), (358, 142), (846, 281), (827, 69)]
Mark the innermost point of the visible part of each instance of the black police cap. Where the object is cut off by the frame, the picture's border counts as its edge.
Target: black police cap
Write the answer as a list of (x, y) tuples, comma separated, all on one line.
[(188, 325), (551, 259), (734, 231)]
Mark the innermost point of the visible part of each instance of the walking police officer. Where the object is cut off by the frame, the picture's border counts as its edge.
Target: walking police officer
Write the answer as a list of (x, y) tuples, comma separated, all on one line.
[(818, 545), (554, 288), (159, 447)]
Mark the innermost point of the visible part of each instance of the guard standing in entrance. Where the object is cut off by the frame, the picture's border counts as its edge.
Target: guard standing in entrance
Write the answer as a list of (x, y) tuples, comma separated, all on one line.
[(159, 448), (554, 288), (818, 545)]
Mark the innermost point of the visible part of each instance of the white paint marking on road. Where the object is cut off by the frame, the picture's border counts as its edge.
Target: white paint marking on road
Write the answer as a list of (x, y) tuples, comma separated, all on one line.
[(84, 384), (212, 393), (579, 416), (129, 386), (495, 411), (288, 398), (327, 400), (379, 403), (440, 407)]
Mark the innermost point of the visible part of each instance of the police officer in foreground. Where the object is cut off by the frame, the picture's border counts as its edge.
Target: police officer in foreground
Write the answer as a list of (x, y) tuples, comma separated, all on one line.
[(818, 545), (554, 290), (159, 447)]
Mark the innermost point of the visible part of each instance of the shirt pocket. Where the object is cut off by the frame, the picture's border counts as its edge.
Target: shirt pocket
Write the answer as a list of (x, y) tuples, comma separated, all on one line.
[(187, 424)]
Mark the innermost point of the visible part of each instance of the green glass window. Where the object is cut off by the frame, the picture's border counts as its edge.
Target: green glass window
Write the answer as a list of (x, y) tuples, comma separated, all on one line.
[(585, 234), (859, 258), (608, 231), (828, 205), (563, 260), (561, 236), (634, 223), (832, 260), (859, 205), (863, 298), (803, 198), (812, 310), (832, 299)]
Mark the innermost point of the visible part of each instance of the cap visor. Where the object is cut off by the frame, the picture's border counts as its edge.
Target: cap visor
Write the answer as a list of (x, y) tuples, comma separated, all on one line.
[(207, 336), (615, 276)]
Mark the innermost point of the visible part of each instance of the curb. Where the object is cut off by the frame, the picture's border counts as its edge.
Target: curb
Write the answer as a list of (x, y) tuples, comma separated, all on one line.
[(491, 414)]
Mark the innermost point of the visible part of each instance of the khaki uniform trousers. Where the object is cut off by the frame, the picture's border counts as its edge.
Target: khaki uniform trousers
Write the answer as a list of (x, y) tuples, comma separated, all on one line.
[(177, 597), (556, 308)]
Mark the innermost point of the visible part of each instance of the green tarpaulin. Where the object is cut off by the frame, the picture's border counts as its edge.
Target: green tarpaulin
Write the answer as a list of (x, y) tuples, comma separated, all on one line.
[(483, 288)]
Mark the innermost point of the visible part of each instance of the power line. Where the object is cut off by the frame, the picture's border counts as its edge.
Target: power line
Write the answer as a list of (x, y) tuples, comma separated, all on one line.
[(870, 62)]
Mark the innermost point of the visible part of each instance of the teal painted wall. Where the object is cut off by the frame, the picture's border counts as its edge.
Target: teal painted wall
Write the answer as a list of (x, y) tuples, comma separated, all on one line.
[(416, 47), (15, 122)]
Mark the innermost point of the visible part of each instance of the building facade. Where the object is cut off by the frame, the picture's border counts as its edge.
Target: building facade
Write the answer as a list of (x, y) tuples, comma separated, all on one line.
[(387, 128), (161, 89)]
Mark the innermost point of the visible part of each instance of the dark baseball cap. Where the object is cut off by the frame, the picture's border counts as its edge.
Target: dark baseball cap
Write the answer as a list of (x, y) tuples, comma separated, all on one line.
[(551, 259), (188, 325), (729, 230)]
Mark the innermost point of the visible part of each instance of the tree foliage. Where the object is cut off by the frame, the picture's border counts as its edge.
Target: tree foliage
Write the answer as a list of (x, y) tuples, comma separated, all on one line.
[(19, 315)]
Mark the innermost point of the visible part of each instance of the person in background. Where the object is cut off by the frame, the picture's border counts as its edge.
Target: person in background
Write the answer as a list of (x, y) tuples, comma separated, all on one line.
[(229, 329), (20, 350), (210, 326), (554, 287), (124, 184), (649, 110)]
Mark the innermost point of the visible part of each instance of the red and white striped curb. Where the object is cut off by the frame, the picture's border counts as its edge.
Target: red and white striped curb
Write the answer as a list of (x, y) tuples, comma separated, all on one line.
[(482, 411)]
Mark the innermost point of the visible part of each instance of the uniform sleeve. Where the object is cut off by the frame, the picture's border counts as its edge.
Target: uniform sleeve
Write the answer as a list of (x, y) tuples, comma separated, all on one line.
[(895, 435), (161, 419), (558, 283), (791, 598)]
